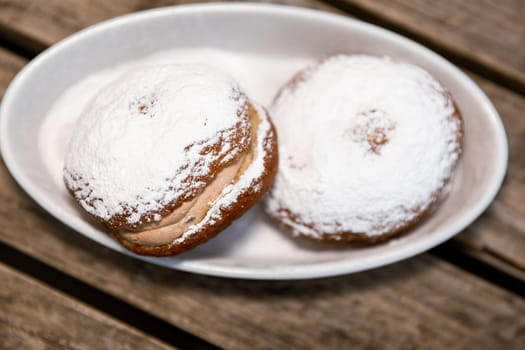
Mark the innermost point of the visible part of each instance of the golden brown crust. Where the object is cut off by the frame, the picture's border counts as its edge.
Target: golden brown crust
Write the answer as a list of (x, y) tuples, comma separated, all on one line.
[(246, 199), (283, 214), (343, 237)]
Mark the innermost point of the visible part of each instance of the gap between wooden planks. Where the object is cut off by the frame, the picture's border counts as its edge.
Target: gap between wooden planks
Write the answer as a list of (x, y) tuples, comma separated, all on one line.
[(498, 238), (34, 316), (485, 36), (101, 301), (419, 300)]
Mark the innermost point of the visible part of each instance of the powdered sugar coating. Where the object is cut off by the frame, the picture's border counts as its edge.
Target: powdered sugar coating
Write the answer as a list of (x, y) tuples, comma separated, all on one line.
[(144, 141), (250, 181), (366, 146)]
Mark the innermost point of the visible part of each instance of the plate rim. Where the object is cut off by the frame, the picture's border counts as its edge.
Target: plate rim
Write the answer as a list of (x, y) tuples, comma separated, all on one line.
[(319, 270)]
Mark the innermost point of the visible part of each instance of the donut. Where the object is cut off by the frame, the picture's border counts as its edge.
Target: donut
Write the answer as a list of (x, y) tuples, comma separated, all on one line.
[(167, 156), (367, 149)]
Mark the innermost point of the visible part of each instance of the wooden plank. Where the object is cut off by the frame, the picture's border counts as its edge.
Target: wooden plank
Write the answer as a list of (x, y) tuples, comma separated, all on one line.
[(488, 34), (34, 316), (400, 306), (37, 24), (501, 229), (419, 300), (9, 65), (59, 246)]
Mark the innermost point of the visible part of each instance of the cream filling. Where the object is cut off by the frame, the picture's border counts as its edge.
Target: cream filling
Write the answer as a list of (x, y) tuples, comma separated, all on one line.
[(173, 226)]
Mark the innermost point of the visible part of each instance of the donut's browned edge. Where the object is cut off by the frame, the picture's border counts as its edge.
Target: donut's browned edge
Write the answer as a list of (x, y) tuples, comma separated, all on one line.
[(345, 237), (245, 201), (241, 144)]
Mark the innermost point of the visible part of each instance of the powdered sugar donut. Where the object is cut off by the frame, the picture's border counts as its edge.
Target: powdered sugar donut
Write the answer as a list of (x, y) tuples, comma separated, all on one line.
[(169, 155), (367, 147)]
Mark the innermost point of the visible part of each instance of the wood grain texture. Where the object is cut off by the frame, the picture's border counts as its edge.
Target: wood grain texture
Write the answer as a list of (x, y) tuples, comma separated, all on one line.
[(500, 231), (34, 316), (489, 32), (419, 301), (422, 300), (9, 65)]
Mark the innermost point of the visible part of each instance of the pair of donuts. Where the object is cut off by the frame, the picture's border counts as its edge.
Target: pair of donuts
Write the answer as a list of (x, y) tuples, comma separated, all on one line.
[(168, 156)]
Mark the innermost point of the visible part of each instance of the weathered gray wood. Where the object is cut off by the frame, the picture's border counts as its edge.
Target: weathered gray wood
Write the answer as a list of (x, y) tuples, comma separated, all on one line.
[(34, 316)]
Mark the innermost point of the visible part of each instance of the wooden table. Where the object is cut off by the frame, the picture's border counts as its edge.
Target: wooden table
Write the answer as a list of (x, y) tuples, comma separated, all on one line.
[(59, 290)]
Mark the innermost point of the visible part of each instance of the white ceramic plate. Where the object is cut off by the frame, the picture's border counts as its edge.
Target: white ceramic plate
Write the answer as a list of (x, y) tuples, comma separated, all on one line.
[(253, 247)]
